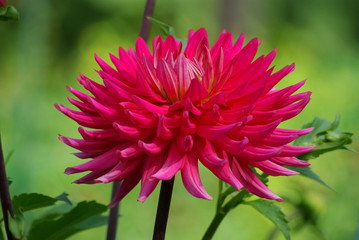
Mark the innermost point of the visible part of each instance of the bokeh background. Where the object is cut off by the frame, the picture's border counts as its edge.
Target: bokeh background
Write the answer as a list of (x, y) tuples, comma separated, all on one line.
[(57, 39)]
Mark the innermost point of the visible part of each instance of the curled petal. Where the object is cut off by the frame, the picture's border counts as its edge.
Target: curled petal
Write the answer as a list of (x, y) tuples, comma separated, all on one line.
[(191, 179), (174, 163), (251, 182)]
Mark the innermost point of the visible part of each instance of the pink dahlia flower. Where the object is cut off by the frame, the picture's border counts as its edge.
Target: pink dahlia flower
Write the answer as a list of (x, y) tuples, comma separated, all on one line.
[(160, 113)]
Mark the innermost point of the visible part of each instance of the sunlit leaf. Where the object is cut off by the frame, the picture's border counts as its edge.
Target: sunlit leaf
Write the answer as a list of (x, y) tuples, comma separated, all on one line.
[(273, 213)]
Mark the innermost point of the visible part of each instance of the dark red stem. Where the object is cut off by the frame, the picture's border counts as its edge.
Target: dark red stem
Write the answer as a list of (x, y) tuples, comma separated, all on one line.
[(163, 209), (146, 24), (5, 195)]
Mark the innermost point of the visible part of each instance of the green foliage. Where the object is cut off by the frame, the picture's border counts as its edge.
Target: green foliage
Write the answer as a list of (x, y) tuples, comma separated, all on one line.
[(326, 136), (307, 172), (84, 216), (273, 213), (9, 13), (30, 201), (166, 30), (60, 222), (17, 225)]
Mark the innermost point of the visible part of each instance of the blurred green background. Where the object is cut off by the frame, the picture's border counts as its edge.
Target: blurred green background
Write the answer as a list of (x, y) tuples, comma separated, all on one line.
[(55, 40)]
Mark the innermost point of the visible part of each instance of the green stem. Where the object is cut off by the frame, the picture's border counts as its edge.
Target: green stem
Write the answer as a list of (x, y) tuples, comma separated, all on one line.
[(222, 211), (218, 218)]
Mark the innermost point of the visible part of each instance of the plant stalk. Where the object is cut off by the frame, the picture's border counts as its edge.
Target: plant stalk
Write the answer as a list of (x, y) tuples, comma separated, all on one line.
[(114, 212), (163, 208), (146, 24), (6, 205)]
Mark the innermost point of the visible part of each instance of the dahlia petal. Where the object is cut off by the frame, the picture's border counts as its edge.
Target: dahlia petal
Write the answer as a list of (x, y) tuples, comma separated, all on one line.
[(191, 179), (237, 46), (292, 151), (196, 92), (142, 49), (163, 131), (273, 169), (87, 146), (174, 163), (126, 186), (245, 56), (105, 67), (215, 132), (290, 161), (252, 153), (154, 147), (83, 97), (141, 120), (168, 77), (84, 155), (151, 166), (184, 143), (172, 45), (181, 67), (120, 171), (298, 132), (107, 134), (131, 132), (84, 107), (208, 154), (132, 151), (126, 70), (102, 162), (149, 94), (149, 106), (195, 44), (188, 127), (276, 77), (106, 112), (275, 140), (251, 182), (231, 146), (90, 178), (117, 92), (211, 117), (255, 132)]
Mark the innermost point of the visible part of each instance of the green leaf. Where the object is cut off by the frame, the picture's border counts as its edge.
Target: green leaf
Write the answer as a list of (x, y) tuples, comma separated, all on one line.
[(63, 197), (273, 213), (9, 13), (70, 223), (164, 28), (29, 201), (17, 225), (307, 171), (326, 136)]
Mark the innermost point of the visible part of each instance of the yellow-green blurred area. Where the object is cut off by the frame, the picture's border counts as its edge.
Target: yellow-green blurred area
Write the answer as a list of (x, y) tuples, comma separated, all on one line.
[(56, 40)]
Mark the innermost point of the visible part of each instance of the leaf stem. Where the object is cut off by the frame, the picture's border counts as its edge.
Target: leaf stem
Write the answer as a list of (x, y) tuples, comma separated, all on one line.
[(114, 212), (221, 212), (163, 208), (5, 195)]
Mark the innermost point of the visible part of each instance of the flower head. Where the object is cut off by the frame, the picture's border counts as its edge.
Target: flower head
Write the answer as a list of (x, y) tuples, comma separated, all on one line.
[(162, 113)]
